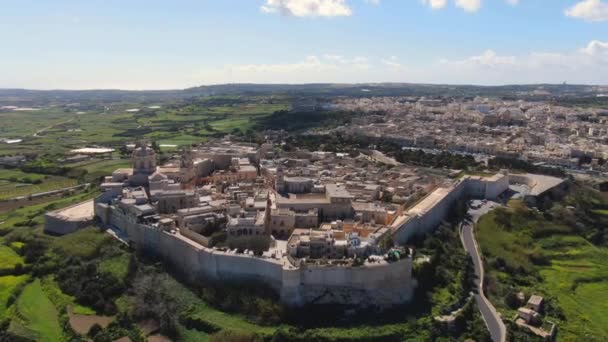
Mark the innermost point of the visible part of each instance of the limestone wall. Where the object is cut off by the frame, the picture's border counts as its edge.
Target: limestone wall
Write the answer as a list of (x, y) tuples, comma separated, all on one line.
[(495, 189), (59, 226), (383, 284), (475, 187), (69, 219)]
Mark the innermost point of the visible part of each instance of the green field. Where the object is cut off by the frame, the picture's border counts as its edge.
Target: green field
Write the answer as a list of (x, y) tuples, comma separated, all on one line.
[(540, 256), (84, 243), (8, 285), (16, 175), (105, 166), (15, 183), (34, 213), (577, 278), (60, 130), (60, 299), (98, 168), (35, 316), (9, 258), (10, 190)]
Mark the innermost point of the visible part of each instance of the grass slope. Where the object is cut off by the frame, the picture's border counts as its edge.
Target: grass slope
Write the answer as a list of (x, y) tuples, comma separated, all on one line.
[(36, 317), (84, 243), (8, 284), (524, 251), (62, 300), (578, 278), (9, 258)]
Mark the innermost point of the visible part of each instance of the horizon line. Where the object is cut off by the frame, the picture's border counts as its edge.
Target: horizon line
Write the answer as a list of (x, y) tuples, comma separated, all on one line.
[(354, 84)]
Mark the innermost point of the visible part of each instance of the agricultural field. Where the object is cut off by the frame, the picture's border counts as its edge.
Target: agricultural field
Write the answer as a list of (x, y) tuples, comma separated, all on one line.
[(84, 243), (15, 183), (35, 315), (32, 215), (8, 285), (9, 258), (577, 277), (540, 254), (54, 130), (60, 299), (11, 190), (106, 166)]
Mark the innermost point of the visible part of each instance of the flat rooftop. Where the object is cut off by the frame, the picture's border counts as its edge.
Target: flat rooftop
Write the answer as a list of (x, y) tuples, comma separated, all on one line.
[(92, 150), (302, 199), (80, 211)]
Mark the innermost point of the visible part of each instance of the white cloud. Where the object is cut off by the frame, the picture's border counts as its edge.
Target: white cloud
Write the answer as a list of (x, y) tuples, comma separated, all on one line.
[(586, 65), (392, 62), (322, 68), (596, 48), (309, 64), (513, 2), (469, 5), (488, 59), (589, 10), (308, 8), (435, 4)]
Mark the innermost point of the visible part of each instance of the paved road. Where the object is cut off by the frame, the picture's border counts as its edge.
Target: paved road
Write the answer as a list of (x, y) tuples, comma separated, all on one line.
[(495, 325)]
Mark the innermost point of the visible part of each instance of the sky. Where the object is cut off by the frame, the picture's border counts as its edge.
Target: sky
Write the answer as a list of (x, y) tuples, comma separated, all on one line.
[(171, 44)]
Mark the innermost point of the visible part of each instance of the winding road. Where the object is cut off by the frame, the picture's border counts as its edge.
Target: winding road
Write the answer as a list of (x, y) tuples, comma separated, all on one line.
[(495, 325)]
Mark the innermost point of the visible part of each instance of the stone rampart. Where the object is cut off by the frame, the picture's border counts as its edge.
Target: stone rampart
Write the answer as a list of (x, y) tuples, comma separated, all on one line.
[(382, 284), (70, 219), (423, 218)]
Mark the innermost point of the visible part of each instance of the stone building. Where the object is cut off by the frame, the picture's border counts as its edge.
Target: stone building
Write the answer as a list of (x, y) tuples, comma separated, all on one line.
[(144, 164), (169, 202)]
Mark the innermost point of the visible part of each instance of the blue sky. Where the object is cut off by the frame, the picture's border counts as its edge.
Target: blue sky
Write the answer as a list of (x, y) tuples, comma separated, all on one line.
[(156, 44)]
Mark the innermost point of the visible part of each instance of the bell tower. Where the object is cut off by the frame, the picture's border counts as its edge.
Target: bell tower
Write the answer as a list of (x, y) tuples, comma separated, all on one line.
[(144, 159), (279, 183)]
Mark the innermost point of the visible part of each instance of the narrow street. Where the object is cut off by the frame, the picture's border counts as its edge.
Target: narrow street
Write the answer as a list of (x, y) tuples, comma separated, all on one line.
[(495, 325)]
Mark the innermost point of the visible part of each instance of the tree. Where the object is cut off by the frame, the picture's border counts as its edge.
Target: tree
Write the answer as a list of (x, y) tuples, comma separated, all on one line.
[(94, 330), (386, 242)]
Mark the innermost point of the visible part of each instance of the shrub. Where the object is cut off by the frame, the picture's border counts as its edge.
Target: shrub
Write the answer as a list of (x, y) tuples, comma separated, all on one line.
[(233, 336)]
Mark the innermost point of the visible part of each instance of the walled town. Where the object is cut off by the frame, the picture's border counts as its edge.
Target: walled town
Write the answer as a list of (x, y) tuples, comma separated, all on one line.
[(316, 226)]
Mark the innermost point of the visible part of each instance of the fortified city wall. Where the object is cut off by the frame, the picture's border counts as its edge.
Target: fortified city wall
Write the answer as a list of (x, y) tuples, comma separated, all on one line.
[(382, 284), (70, 219), (427, 214)]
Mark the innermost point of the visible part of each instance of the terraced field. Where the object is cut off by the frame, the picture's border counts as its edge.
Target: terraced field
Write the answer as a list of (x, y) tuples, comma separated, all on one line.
[(54, 131), (571, 271), (8, 285), (577, 278), (9, 258), (36, 317)]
